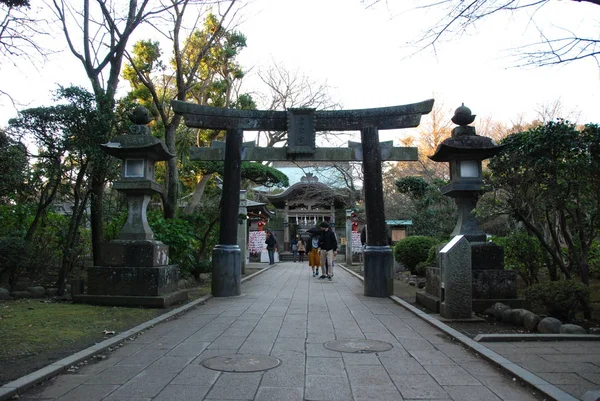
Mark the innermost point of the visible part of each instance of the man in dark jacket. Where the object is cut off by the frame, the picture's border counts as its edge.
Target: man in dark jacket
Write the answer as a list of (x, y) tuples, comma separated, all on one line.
[(271, 246), (328, 246)]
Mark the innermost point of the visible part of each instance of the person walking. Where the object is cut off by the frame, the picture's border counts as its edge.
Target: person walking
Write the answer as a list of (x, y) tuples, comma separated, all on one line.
[(271, 246), (294, 245), (301, 249), (328, 246), (314, 258)]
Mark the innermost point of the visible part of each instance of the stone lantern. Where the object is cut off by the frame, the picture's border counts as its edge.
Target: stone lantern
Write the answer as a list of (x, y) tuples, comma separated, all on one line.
[(471, 273), (464, 151), (134, 269)]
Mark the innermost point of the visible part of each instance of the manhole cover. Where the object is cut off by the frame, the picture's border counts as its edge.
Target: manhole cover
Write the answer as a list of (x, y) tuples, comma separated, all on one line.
[(358, 346), (241, 363)]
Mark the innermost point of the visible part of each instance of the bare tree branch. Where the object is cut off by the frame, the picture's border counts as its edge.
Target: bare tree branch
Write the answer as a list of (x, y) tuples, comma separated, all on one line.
[(457, 16)]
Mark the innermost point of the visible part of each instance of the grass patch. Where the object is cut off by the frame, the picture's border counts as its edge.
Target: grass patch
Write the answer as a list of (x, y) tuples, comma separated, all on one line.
[(32, 326), (29, 327)]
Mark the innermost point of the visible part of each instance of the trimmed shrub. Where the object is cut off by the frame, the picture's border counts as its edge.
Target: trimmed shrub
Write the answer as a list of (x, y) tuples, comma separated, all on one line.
[(414, 250), (560, 299)]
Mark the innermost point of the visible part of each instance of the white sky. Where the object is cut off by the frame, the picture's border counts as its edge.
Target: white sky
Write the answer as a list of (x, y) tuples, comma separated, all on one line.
[(361, 54)]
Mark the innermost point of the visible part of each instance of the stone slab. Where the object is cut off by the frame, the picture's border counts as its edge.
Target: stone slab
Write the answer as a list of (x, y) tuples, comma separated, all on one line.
[(161, 301), (132, 281), (140, 253)]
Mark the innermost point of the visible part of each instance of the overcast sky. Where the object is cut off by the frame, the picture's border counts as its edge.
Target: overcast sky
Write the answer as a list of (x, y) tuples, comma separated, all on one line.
[(363, 56)]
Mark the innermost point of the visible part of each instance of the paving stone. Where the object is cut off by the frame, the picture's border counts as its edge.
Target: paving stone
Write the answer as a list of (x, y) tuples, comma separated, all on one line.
[(196, 375), (117, 374), (318, 349), (402, 366), (188, 348), (451, 375), (360, 359), (88, 392), (325, 366), (144, 385), (182, 393), (172, 365), (371, 376), (510, 390), (230, 343), (331, 388), (280, 394), (419, 386), (471, 393), (144, 357), (376, 393), (433, 357)]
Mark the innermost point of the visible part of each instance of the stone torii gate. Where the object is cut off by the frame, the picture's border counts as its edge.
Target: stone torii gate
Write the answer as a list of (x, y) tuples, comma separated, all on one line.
[(301, 125)]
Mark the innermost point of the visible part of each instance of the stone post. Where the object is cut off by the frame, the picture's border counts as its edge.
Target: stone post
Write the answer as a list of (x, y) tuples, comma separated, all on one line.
[(226, 263), (286, 229), (243, 230), (379, 261), (348, 237), (456, 287)]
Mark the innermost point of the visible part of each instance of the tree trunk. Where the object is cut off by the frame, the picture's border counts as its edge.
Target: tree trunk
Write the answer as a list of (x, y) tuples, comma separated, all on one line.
[(197, 195), (96, 223), (172, 179)]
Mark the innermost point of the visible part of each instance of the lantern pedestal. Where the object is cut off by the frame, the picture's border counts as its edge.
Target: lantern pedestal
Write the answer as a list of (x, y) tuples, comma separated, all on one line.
[(379, 280), (227, 272)]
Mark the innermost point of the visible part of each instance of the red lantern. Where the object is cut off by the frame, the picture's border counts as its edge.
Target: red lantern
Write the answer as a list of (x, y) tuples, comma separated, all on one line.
[(261, 224), (354, 226)]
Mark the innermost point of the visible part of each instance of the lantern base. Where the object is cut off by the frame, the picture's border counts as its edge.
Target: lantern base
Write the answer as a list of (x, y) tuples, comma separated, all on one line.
[(379, 263)]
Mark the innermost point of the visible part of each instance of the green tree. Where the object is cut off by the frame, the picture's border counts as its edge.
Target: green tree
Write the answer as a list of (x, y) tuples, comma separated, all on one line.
[(67, 137), (547, 179), (13, 168), (432, 213), (203, 70)]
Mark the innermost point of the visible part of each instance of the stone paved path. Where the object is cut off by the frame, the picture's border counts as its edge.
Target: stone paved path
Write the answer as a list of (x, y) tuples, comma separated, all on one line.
[(572, 366), (288, 314)]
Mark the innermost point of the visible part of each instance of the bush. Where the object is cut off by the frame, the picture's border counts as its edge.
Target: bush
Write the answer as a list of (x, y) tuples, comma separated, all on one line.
[(522, 253), (560, 299), (414, 250), (180, 236)]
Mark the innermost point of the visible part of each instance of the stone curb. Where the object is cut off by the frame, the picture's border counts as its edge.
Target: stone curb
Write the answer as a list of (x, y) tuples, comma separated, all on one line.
[(536, 337), (10, 389), (524, 375)]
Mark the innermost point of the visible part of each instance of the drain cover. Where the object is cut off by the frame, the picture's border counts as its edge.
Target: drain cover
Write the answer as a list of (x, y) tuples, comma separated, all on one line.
[(241, 363), (358, 346)]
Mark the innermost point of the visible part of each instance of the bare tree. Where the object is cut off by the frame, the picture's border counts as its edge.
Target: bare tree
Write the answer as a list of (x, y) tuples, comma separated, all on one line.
[(291, 89), (20, 31), (560, 46)]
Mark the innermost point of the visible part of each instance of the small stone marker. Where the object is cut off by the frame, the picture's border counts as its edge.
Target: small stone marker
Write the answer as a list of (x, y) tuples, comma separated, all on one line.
[(358, 346), (455, 262), (241, 363)]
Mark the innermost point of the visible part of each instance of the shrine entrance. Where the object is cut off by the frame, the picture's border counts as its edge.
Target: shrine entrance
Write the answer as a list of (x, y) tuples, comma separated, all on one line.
[(301, 126), (305, 205)]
